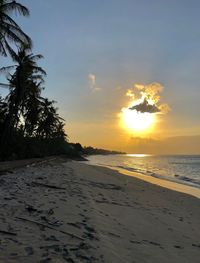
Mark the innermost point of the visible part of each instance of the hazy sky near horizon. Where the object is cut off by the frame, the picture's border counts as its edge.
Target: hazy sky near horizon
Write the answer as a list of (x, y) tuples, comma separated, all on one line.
[(95, 50)]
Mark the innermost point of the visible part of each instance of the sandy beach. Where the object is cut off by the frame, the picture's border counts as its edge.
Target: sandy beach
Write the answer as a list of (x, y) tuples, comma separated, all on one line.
[(66, 211)]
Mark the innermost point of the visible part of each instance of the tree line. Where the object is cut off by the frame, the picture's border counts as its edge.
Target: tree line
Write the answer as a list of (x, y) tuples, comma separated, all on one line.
[(30, 125)]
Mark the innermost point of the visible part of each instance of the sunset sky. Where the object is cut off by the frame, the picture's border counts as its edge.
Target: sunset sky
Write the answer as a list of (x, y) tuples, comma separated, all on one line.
[(95, 51)]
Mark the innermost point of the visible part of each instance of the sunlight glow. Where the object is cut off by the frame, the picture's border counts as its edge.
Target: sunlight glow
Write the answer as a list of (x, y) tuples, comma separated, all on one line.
[(137, 121), (143, 110)]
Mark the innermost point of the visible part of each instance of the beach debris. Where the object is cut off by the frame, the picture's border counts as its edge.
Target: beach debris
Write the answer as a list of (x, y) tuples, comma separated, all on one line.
[(112, 203), (29, 251), (90, 236), (40, 178), (90, 229), (52, 228), (196, 245), (54, 222), (50, 211), (30, 208), (48, 186), (179, 247), (7, 233), (152, 243), (145, 241), (106, 186), (114, 235), (135, 242), (85, 246)]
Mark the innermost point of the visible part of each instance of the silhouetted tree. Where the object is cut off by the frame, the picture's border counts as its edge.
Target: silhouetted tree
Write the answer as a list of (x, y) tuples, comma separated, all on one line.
[(32, 108), (10, 31), (50, 124), (24, 79), (29, 124), (3, 113)]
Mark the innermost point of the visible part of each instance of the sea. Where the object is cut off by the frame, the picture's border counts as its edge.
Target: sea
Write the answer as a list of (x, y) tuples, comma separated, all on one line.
[(184, 169)]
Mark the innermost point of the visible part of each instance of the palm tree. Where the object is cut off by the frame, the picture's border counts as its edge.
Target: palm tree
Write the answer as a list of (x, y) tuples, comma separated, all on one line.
[(60, 131), (25, 77), (50, 124), (3, 113), (47, 120), (10, 32), (32, 109)]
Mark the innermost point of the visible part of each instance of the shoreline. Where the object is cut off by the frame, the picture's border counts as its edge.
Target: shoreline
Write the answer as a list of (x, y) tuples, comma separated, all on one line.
[(68, 211), (169, 184)]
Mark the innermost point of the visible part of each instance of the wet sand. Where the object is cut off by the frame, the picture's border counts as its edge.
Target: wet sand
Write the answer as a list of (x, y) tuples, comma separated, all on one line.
[(67, 211)]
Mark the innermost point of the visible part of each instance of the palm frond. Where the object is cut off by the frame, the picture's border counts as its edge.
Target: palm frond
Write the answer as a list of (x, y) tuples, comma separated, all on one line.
[(15, 34), (10, 51), (14, 6), (36, 57), (6, 18), (5, 70), (39, 70), (2, 49), (3, 85)]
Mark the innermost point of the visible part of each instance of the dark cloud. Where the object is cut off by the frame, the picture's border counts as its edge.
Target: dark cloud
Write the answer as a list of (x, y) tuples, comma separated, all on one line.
[(145, 107)]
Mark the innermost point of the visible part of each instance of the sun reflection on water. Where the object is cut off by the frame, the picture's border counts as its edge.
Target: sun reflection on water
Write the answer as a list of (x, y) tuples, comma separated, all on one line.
[(138, 155)]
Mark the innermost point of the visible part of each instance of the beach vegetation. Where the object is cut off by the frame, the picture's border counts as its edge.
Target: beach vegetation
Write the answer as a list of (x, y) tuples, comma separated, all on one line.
[(30, 125)]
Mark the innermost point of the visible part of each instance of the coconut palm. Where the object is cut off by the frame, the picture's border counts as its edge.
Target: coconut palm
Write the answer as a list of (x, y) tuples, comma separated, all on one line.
[(60, 131), (3, 112), (48, 119), (32, 109), (50, 124), (26, 76), (10, 32)]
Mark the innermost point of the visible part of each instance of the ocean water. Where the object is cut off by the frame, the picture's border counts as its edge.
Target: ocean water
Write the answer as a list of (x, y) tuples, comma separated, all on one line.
[(183, 169)]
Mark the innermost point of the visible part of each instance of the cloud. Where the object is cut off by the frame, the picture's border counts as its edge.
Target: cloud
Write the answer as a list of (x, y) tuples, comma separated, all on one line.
[(164, 108), (148, 98), (139, 86), (92, 82), (151, 91), (130, 93), (145, 107)]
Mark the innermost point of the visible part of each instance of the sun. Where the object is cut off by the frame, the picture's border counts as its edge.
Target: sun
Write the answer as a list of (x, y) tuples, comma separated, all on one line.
[(144, 110), (137, 121)]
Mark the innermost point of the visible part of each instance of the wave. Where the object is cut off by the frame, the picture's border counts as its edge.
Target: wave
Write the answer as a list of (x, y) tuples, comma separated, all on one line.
[(186, 163), (175, 178), (187, 179), (182, 169)]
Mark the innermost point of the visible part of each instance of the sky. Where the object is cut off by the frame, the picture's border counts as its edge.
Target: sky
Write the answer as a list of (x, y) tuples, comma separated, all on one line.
[(97, 50)]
